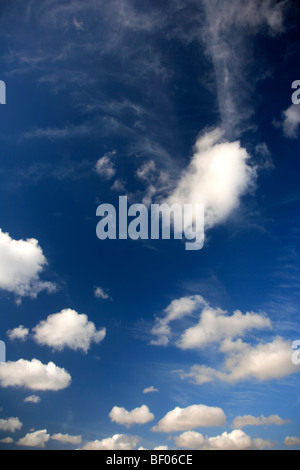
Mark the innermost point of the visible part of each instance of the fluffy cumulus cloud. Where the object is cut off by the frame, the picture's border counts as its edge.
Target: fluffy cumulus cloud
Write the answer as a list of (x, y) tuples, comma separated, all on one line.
[(291, 121), (140, 415), (32, 399), (34, 375), (7, 440), (66, 439), (35, 439), (262, 362), (68, 329), (182, 419), (217, 177), (105, 166), (215, 325), (117, 442), (10, 424), (236, 440), (20, 333), (292, 441), (177, 310), (21, 263), (242, 421)]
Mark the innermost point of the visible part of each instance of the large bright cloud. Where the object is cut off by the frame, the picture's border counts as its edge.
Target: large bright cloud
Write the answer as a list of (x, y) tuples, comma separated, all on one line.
[(140, 415), (236, 440), (117, 442), (35, 439), (21, 263), (248, 420), (10, 424), (68, 329), (215, 325), (34, 375), (262, 362), (218, 175), (182, 419)]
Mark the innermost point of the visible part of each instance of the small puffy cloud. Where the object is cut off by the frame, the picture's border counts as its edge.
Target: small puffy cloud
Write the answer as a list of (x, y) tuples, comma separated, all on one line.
[(182, 419), (66, 439), (292, 441), (32, 399), (177, 310), (215, 325), (35, 439), (150, 390), (21, 263), (105, 166), (242, 421), (262, 362), (117, 442), (7, 440), (162, 448), (140, 415), (291, 121), (236, 440), (34, 375), (217, 177), (68, 329), (10, 424), (118, 186), (19, 333), (101, 293)]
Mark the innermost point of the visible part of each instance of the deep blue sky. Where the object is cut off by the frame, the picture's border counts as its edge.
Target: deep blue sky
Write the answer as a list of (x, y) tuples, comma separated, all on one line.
[(87, 78)]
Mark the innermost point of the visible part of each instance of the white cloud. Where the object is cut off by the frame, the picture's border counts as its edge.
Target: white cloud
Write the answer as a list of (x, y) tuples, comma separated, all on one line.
[(68, 329), (140, 415), (292, 441), (177, 310), (21, 263), (10, 424), (162, 448), (105, 166), (262, 362), (35, 439), (182, 419), (218, 175), (242, 421), (228, 36), (19, 333), (7, 440), (118, 186), (34, 375), (32, 399), (215, 325), (100, 293), (150, 390), (291, 121), (236, 440), (117, 442), (67, 439)]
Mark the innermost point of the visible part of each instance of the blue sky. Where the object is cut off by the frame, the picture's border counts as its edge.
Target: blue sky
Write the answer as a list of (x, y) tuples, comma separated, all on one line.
[(123, 344)]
